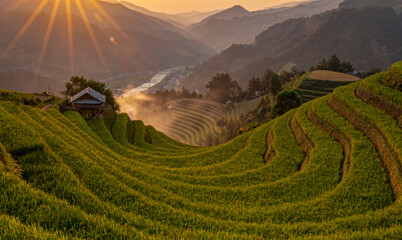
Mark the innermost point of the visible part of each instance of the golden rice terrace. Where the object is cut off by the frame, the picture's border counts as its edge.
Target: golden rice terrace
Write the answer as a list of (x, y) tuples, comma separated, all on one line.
[(330, 169)]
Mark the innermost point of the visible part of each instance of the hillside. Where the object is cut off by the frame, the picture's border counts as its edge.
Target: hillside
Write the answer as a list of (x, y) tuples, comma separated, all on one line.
[(396, 4), (192, 120), (235, 11), (365, 37), (320, 83), (196, 16), (180, 20), (175, 20), (239, 26), (329, 169), (96, 47)]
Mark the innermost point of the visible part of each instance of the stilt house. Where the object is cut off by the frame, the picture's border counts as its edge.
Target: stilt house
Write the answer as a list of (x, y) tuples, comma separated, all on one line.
[(88, 102)]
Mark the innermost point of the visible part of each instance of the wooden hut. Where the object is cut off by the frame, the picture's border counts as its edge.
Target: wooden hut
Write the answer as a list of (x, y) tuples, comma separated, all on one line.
[(88, 102)]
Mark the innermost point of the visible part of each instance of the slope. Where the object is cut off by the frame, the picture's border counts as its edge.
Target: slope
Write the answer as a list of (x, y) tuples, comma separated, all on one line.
[(333, 170), (366, 37), (321, 83), (239, 26), (235, 11), (396, 4)]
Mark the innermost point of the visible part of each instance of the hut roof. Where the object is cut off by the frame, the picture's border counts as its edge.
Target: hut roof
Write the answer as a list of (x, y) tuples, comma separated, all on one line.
[(101, 98)]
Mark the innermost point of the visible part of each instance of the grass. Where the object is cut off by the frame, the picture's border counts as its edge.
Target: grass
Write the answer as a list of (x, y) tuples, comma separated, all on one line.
[(327, 177)]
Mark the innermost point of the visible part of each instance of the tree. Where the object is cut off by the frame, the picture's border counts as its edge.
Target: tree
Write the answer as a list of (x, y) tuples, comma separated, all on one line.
[(287, 76), (334, 63), (346, 67), (237, 94), (254, 88), (77, 84), (265, 82), (322, 65), (284, 102), (222, 89), (275, 85)]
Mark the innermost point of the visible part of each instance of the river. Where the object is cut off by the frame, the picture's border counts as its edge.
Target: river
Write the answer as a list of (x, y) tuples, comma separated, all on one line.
[(154, 81)]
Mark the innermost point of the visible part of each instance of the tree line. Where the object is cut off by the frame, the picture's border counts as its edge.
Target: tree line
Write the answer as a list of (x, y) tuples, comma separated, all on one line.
[(223, 89)]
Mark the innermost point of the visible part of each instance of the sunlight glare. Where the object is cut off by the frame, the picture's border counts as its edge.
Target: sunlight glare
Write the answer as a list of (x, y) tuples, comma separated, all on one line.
[(90, 32), (70, 34), (110, 19), (28, 23), (48, 31)]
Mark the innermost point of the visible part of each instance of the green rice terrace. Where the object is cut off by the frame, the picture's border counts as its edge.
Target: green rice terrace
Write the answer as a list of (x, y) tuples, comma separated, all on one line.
[(330, 169), (191, 120), (321, 83)]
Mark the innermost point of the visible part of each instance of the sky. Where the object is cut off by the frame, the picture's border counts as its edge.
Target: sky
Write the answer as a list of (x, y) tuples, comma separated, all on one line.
[(179, 6)]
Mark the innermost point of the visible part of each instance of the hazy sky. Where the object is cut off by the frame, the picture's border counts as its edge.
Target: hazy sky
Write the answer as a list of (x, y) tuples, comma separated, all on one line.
[(176, 6)]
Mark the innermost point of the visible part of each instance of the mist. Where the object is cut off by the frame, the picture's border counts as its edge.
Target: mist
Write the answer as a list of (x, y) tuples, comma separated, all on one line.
[(144, 107)]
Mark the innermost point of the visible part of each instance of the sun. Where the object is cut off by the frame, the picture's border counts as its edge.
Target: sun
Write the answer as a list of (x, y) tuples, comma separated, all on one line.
[(55, 6)]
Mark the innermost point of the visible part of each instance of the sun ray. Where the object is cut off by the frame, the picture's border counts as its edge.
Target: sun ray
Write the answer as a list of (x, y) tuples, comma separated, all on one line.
[(48, 32), (90, 32), (28, 23), (110, 19), (70, 34), (118, 28)]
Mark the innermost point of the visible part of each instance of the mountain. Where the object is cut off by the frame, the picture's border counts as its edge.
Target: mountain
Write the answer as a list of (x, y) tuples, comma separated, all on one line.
[(289, 4), (237, 25), (367, 37), (180, 20), (330, 169), (397, 4), (144, 43), (235, 11), (173, 19), (196, 16)]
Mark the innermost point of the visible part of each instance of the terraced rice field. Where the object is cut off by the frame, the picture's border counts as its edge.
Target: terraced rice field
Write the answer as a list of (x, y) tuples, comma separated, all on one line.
[(191, 120), (330, 169), (321, 83)]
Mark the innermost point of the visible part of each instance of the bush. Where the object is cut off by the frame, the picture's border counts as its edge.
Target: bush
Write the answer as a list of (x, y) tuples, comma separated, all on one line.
[(285, 101)]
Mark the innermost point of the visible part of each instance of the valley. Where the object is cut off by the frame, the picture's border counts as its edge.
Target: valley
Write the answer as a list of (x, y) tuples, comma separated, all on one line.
[(131, 119)]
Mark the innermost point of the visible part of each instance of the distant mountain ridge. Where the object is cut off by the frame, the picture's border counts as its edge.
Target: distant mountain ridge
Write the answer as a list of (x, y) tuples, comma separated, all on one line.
[(196, 16), (289, 4), (367, 37), (235, 11), (180, 20), (173, 19), (370, 3), (243, 27)]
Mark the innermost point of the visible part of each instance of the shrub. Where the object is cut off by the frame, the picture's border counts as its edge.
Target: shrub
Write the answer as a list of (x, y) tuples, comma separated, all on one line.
[(285, 101)]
